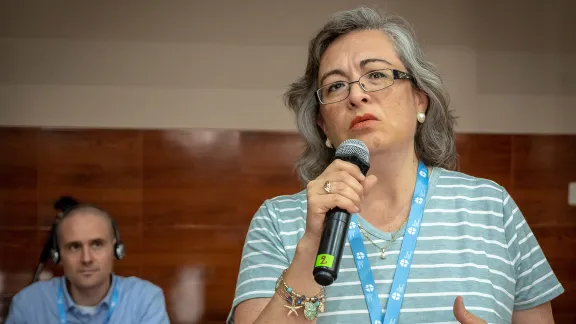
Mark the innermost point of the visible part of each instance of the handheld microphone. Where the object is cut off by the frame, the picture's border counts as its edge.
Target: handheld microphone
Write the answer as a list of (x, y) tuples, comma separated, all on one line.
[(336, 222)]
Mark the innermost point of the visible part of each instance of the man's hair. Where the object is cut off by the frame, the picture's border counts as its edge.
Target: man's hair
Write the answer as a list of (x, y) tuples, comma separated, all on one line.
[(86, 208)]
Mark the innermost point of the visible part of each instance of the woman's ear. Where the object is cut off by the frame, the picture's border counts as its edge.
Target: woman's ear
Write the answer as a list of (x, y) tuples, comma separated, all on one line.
[(320, 123), (421, 100)]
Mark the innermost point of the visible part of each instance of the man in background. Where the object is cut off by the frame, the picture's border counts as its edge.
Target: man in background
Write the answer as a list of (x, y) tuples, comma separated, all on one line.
[(86, 241), (61, 205), (64, 203)]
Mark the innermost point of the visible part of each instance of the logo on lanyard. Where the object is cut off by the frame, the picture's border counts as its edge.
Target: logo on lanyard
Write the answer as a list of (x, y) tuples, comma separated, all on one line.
[(404, 260), (62, 310)]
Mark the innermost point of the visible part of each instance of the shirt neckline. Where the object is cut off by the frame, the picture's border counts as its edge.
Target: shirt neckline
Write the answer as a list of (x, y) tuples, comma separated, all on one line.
[(375, 232), (105, 301)]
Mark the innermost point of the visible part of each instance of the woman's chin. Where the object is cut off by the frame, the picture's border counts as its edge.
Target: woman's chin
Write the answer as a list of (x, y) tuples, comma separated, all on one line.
[(374, 140)]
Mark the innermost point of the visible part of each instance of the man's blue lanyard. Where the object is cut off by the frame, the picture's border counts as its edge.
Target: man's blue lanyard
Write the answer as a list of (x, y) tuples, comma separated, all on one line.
[(62, 308), (404, 258)]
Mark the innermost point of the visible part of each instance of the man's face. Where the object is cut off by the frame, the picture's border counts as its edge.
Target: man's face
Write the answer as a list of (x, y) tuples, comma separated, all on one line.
[(86, 244)]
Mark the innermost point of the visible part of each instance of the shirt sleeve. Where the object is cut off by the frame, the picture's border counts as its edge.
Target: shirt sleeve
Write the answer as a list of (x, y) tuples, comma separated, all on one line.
[(536, 282), (263, 259), (16, 312), (155, 312)]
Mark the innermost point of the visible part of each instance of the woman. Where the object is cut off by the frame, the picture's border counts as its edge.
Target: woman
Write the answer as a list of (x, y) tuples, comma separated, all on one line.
[(367, 79)]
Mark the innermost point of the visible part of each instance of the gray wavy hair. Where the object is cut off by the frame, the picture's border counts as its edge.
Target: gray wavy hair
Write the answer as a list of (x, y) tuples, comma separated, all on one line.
[(434, 139)]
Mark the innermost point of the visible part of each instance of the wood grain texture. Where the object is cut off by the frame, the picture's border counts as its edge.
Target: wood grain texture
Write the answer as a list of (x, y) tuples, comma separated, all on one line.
[(542, 168), (189, 178), (485, 156), (103, 167), (18, 177), (184, 199), (19, 249)]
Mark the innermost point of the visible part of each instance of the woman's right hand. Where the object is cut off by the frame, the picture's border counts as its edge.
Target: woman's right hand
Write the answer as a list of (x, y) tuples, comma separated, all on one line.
[(347, 189)]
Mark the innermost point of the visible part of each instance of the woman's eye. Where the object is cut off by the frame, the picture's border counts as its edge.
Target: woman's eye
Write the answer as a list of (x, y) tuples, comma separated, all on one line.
[(335, 86), (377, 75)]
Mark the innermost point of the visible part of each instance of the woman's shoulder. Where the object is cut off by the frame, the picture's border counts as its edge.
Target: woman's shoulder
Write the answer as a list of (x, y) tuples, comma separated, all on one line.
[(284, 215), (455, 187), (285, 208), (286, 203), (462, 197), (459, 180)]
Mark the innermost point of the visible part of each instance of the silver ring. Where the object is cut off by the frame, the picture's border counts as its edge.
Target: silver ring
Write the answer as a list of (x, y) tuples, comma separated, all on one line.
[(327, 187)]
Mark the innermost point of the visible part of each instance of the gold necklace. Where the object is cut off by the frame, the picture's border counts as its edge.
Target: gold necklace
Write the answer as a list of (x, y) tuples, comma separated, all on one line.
[(365, 233), (383, 255)]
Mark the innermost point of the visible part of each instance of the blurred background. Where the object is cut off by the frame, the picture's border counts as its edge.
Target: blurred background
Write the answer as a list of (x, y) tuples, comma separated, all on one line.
[(169, 114)]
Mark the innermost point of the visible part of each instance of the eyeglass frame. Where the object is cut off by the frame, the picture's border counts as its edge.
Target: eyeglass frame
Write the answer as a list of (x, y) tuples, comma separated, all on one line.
[(396, 75)]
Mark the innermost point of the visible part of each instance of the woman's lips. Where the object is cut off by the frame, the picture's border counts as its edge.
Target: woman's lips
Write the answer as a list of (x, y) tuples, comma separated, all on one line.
[(362, 121), (363, 124)]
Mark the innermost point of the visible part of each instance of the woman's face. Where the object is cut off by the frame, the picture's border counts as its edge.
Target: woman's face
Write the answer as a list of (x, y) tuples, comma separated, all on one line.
[(393, 110)]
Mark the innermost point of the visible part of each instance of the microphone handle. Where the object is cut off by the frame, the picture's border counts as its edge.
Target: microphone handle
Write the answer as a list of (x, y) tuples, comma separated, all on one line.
[(331, 246)]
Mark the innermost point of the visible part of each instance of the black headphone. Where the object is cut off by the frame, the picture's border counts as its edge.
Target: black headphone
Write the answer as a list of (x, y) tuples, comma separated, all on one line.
[(119, 251)]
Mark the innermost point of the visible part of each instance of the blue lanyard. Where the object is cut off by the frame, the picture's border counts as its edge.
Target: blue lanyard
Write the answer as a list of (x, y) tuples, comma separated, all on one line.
[(62, 310), (404, 258)]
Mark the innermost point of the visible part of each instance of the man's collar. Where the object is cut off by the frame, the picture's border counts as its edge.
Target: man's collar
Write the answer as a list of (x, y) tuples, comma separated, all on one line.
[(105, 301)]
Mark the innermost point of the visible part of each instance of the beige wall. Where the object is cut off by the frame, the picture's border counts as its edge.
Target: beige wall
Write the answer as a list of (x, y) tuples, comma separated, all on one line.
[(509, 65)]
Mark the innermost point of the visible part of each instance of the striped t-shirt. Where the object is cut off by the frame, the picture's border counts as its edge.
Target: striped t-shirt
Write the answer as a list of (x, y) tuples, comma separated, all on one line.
[(474, 242)]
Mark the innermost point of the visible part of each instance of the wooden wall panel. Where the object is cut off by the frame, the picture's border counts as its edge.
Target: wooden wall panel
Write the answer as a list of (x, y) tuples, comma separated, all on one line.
[(541, 169), (18, 177), (19, 249), (190, 178), (184, 200), (101, 166), (486, 156)]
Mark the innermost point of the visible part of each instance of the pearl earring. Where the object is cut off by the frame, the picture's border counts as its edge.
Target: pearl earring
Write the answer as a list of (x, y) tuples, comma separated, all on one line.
[(421, 117), (328, 143)]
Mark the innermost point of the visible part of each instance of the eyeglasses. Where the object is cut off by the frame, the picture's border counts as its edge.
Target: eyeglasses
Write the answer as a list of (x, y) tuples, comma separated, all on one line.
[(369, 82)]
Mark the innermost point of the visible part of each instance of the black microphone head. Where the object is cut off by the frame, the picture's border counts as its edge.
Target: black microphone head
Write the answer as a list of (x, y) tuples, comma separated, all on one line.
[(354, 151)]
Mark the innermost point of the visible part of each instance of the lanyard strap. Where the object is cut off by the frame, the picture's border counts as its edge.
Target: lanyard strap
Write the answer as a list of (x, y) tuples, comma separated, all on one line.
[(62, 310), (398, 287)]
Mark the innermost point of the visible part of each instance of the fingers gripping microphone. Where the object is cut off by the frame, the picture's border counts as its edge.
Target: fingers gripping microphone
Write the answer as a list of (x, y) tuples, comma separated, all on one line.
[(336, 222)]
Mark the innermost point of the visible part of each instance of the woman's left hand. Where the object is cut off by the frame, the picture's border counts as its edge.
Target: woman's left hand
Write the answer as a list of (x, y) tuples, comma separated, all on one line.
[(463, 316)]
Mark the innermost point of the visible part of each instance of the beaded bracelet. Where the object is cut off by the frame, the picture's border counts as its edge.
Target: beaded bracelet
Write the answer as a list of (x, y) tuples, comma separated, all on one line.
[(295, 301)]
